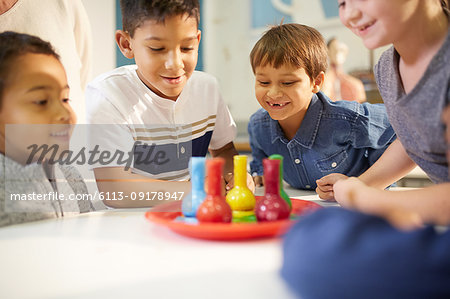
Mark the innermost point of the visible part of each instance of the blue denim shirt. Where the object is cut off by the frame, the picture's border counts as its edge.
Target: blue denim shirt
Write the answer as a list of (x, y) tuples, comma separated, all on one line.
[(334, 137)]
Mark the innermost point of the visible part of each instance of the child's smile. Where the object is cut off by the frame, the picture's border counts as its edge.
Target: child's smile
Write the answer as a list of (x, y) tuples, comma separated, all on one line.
[(166, 54), (285, 93), (277, 105)]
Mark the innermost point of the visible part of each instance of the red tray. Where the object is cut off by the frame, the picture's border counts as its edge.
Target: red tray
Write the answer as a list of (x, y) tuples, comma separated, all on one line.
[(225, 231)]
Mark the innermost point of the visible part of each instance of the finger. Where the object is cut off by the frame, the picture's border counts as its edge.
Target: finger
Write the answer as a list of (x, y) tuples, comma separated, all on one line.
[(329, 196), (325, 188)]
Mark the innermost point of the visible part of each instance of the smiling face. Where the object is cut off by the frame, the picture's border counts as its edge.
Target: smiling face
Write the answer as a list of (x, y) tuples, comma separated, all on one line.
[(285, 93), (166, 53), (378, 22), (35, 96)]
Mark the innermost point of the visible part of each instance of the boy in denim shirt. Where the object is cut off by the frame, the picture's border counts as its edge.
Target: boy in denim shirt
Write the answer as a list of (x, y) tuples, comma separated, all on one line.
[(315, 135)]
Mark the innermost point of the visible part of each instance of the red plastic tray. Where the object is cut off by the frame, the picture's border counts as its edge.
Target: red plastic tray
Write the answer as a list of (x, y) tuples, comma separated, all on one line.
[(226, 231)]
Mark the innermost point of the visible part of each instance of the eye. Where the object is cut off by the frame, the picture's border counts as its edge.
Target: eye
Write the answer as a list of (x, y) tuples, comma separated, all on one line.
[(341, 4), (41, 102), (288, 83), (263, 83), (66, 100), (156, 49), (187, 49)]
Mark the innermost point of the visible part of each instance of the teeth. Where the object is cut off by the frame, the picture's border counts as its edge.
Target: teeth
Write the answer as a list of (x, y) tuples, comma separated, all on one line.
[(59, 134), (277, 104), (366, 26)]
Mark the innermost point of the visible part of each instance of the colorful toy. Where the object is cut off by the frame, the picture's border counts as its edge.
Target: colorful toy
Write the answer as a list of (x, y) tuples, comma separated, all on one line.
[(272, 206), (283, 193), (192, 201), (240, 198), (214, 208)]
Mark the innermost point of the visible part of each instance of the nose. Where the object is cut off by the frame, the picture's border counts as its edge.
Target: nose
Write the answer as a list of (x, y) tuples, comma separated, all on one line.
[(64, 114), (174, 60), (274, 92)]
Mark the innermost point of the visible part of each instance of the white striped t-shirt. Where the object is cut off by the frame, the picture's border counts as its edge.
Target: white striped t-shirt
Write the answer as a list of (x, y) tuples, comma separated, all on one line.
[(161, 134)]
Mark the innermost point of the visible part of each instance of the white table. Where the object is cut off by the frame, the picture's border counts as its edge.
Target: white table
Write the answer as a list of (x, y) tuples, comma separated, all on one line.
[(119, 254)]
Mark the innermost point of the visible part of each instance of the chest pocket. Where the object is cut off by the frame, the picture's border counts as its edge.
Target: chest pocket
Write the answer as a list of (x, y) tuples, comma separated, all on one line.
[(333, 162)]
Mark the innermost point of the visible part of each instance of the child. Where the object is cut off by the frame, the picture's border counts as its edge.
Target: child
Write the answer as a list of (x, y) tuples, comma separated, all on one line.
[(34, 91), (360, 255), (162, 109), (315, 135), (413, 77)]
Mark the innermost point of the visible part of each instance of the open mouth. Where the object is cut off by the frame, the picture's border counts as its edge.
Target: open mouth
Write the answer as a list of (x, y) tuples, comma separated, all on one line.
[(173, 80), (61, 134), (364, 27), (277, 105)]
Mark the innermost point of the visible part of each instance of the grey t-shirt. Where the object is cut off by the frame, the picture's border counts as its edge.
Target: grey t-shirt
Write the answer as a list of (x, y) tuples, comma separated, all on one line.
[(416, 116), (22, 191)]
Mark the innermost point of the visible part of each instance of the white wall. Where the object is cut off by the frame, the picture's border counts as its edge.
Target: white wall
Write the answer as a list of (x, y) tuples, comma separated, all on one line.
[(103, 23)]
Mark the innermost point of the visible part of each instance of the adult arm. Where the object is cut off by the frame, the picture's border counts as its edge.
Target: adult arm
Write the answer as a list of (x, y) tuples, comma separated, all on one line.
[(83, 40)]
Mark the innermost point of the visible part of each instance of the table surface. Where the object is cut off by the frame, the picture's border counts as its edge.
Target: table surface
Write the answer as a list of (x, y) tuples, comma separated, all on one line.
[(118, 254)]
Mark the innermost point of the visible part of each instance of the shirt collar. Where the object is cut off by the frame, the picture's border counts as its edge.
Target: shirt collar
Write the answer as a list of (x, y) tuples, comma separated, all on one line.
[(307, 132)]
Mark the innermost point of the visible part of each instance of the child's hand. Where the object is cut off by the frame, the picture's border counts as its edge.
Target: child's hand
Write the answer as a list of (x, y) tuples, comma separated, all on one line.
[(326, 183), (250, 183), (349, 193), (258, 181), (354, 194), (229, 181)]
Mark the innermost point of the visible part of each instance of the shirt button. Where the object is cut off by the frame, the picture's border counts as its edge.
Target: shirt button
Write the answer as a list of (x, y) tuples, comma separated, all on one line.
[(182, 150), (334, 164), (308, 187), (297, 161)]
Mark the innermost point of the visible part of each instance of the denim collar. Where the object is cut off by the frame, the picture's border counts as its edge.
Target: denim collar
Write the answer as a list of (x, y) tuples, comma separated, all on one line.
[(307, 132)]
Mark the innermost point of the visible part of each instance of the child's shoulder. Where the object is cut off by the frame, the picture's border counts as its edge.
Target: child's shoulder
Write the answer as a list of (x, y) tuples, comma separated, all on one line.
[(124, 74), (349, 109), (203, 80), (260, 116)]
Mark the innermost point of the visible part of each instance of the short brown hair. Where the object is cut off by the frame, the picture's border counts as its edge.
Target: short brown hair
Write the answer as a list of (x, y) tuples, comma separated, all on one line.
[(136, 12), (14, 45), (294, 44)]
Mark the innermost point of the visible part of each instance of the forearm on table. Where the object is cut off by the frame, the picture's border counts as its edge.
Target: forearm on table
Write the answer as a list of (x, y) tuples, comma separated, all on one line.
[(390, 167), (114, 183), (432, 203)]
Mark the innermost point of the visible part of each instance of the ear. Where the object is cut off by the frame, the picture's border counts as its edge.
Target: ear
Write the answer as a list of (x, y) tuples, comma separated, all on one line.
[(199, 36), (318, 82), (123, 40)]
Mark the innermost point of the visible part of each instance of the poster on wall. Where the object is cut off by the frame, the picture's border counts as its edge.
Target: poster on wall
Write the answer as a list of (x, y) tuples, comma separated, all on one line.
[(320, 14)]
